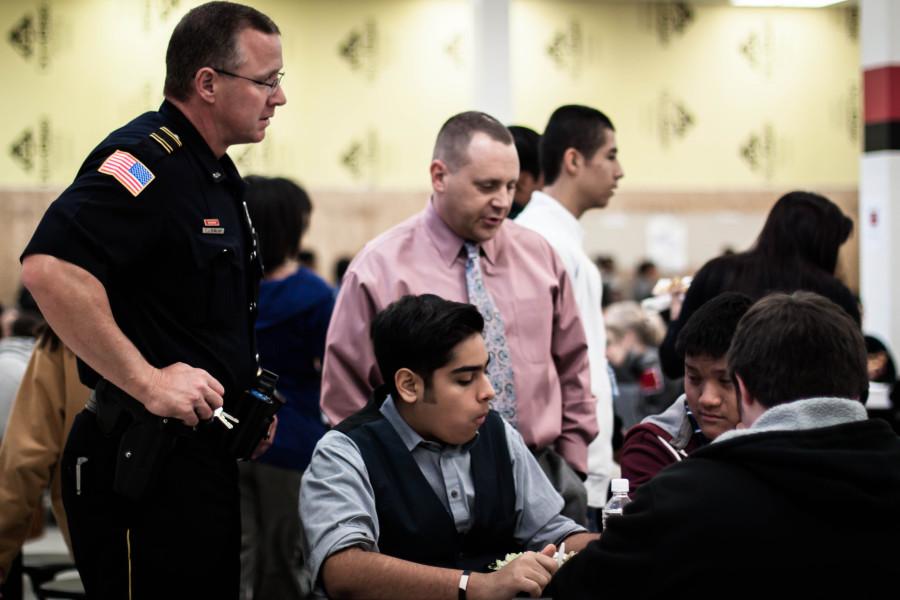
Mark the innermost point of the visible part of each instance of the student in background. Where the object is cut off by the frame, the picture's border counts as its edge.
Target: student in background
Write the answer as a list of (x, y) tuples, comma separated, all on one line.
[(708, 406), (633, 335), (797, 249), (531, 178), (42, 415), (295, 306), (580, 162)]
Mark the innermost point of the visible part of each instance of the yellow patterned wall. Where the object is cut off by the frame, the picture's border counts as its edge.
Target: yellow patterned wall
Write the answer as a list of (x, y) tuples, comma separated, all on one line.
[(72, 71), (702, 96), (368, 85)]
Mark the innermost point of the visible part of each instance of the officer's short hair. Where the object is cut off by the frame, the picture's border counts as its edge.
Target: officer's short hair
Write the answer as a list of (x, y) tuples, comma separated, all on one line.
[(280, 211), (802, 345), (452, 145), (207, 37), (419, 333), (572, 126)]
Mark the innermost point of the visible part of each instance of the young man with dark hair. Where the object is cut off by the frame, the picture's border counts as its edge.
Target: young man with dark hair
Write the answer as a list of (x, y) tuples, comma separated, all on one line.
[(528, 142), (462, 247), (798, 503), (708, 406), (415, 495), (575, 134), (146, 267), (579, 158)]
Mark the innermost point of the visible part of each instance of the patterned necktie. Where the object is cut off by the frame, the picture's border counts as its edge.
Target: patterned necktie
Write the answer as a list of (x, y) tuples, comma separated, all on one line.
[(500, 366)]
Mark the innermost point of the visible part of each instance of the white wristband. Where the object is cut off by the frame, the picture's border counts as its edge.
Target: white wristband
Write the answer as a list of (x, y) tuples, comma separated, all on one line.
[(463, 584)]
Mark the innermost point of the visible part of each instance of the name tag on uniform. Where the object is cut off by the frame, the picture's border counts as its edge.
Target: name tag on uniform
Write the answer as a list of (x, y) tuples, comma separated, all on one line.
[(212, 226)]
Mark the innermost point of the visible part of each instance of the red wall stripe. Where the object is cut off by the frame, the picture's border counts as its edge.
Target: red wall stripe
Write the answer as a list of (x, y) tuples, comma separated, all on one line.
[(882, 94)]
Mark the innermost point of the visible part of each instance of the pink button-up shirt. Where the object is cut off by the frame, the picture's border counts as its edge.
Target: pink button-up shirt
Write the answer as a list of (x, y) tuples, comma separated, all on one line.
[(530, 287)]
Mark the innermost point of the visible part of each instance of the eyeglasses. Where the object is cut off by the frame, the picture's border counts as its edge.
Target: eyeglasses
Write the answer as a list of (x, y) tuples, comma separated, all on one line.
[(272, 85)]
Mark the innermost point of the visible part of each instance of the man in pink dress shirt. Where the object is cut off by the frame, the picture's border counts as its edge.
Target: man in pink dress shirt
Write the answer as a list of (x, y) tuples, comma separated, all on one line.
[(473, 177)]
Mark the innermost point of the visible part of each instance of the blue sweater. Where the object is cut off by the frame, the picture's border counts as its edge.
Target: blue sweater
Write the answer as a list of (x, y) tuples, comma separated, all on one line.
[(293, 318)]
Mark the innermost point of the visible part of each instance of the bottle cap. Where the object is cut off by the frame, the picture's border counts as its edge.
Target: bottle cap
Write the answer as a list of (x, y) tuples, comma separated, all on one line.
[(620, 485)]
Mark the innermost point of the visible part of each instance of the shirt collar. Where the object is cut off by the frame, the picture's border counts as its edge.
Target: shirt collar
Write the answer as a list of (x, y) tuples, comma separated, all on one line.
[(218, 170), (695, 427), (448, 244), (408, 435), (560, 213)]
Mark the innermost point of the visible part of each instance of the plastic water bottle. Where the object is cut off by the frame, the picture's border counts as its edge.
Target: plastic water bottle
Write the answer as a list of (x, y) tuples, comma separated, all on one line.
[(617, 502)]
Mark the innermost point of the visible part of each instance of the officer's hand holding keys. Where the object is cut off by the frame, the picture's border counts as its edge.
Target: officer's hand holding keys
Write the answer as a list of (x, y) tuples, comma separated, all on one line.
[(183, 392), (224, 418)]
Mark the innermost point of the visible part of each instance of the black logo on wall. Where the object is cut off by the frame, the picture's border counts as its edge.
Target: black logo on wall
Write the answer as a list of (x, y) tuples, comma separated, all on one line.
[(671, 19), (360, 159), (158, 12), (758, 152), (675, 119), (453, 49), (31, 150), (758, 49), (242, 157), (251, 157), (850, 18), (566, 48), (29, 36), (359, 49)]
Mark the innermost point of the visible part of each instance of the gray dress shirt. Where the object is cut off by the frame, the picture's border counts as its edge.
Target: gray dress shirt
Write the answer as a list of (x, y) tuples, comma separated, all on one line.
[(338, 504)]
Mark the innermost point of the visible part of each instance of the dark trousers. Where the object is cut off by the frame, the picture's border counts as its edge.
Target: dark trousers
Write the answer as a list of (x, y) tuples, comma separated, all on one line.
[(271, 558), (182, 540), (11, 588), (565, 481)]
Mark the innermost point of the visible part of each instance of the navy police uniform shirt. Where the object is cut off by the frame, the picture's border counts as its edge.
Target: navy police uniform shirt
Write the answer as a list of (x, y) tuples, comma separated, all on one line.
[(161, 223)]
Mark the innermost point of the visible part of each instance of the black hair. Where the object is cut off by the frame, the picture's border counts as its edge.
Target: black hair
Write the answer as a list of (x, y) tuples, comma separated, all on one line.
[(528, 146), (573, 126), (889, 373), (419, 333), (802, 345), (28, 323), (340, 267), (47, 338), (711, 328), (806, 226), (26, 302), (645, 266), (280, 211), (308, 258), (207, 37), (452, 144)]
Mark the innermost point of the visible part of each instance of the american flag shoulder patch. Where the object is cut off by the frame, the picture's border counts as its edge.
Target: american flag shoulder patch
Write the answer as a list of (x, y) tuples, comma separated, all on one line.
[(128, 171)]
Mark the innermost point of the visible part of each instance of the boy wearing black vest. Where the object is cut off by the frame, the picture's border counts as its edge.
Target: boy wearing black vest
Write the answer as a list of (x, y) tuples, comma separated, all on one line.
[(415, 495)]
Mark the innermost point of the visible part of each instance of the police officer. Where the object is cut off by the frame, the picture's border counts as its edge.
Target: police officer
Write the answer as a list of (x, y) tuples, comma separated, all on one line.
[(146, 267)]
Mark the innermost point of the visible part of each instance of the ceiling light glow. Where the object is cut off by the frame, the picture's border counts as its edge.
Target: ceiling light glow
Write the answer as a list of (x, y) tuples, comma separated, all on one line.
[(786, 3)]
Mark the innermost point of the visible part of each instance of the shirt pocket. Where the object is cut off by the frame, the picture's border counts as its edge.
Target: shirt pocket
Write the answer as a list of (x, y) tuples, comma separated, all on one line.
[(217, 265)]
